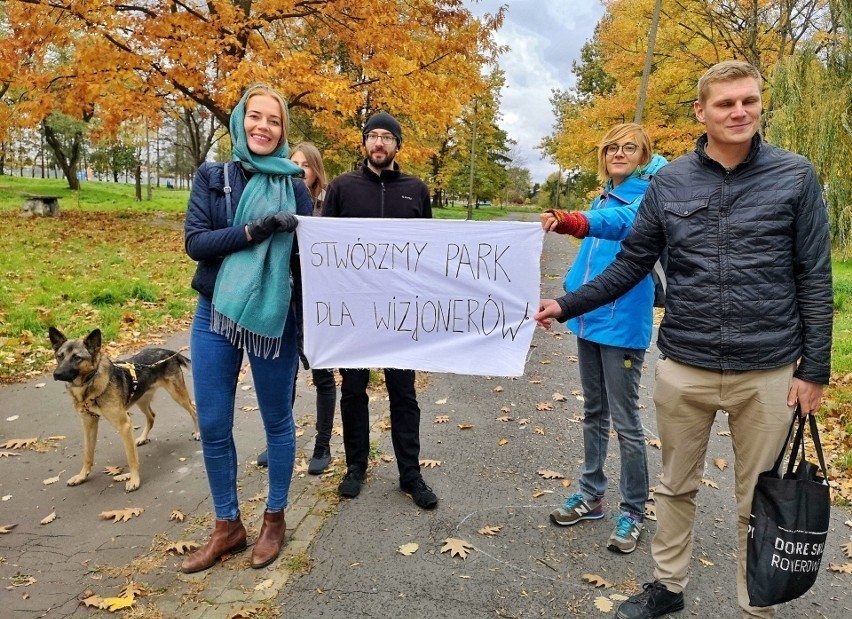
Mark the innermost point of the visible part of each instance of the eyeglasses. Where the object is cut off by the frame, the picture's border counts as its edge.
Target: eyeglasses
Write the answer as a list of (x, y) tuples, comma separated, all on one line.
[(627, 149), (387, 140)]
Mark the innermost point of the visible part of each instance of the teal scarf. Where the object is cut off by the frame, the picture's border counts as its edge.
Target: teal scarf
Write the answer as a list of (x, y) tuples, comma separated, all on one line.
[(251, 299)]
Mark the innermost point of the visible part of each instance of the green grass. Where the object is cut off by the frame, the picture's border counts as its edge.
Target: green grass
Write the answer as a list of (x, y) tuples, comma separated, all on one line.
[(93, 196), (841, 353)]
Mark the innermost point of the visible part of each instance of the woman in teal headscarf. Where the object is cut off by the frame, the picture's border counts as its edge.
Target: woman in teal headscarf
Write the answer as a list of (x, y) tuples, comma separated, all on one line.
[(239, 228)]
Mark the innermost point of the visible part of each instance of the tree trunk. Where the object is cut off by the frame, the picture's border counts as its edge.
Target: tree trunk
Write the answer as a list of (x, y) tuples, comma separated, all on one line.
[(67, 161), (137, 173)]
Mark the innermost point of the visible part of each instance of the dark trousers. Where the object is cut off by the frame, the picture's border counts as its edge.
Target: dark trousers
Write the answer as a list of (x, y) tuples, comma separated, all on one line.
[(404, 413), (326, 403)]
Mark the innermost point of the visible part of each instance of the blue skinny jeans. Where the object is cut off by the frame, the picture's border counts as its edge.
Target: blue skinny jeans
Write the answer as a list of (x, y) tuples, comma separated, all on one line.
[(610, 378), (215, 370)]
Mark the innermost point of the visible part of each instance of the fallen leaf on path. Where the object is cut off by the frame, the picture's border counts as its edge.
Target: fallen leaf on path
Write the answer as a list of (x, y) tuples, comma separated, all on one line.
[(119, 603), (490, 530), (177, 515), (720, 463), (604, 604), (7, 528), (113, 470), (709, 482), (548, 474), (52, 480), (8, 454), (182, 547), (539, 430), (617, 597), (132, 589), (465, 426), (724, 433), (539, 493), (49, 518), (558, 397), (92, 601), (442, 419), (457, 547), (18, 443), (655, 442), (23, 580), (545, 362), (847, 548), (407, 550), (12, 418), (705, 562), (387, 458), (524, 421), (249, 408), (535, 381), (503, 441), (503, 419), (441, 401), (544, 406), (385, 424), (122, 515), (498, 389), (846, 568), (430, 464), (566, 483), (650, 512), (263, 585), (597, 581)]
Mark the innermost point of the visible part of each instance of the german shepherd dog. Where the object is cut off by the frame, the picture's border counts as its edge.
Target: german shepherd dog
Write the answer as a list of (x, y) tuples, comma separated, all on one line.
[(101, 387)]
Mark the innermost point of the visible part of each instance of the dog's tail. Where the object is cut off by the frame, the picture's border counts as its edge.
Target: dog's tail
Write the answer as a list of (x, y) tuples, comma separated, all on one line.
[(183, 361)]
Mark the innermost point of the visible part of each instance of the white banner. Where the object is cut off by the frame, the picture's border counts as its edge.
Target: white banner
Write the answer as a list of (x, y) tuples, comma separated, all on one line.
[(420, 294)]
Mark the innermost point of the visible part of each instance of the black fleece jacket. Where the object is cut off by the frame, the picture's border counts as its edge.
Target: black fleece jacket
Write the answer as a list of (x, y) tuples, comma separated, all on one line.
[(363, 193)]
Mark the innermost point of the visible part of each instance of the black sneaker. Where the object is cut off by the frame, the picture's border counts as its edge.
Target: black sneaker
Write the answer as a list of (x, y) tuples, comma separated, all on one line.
[(350, 487), (654, 601), (420, 492), (263, 459), (319, 461)]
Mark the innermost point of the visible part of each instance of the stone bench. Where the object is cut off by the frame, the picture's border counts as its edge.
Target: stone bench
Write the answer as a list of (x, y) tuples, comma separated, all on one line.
[(40, 206)]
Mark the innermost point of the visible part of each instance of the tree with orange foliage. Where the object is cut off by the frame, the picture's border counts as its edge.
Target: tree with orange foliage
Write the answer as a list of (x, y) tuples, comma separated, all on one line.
[(692, 36), (340, 61)]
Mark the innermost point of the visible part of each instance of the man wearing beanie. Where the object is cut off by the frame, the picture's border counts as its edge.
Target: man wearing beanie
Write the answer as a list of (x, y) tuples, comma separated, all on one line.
[(379, 189)]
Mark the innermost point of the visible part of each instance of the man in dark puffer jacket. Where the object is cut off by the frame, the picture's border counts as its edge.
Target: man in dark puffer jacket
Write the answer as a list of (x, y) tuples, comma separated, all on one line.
[(748, 319)]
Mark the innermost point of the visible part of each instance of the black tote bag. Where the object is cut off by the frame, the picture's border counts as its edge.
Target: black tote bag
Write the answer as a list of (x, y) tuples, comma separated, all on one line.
[(788, 524)]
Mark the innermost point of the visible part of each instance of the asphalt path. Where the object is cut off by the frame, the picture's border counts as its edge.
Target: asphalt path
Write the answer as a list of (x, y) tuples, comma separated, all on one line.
[(344, 558)]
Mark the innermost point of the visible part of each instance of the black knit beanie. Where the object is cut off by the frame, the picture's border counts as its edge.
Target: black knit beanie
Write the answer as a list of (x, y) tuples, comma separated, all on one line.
[(383, 120)]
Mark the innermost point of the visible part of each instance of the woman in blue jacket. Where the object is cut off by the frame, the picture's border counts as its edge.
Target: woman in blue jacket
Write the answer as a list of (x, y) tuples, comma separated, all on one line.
[(239, 228), (611, 340)]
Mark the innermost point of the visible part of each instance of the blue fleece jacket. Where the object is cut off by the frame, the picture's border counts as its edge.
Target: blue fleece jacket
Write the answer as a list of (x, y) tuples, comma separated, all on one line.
[(627, 321)]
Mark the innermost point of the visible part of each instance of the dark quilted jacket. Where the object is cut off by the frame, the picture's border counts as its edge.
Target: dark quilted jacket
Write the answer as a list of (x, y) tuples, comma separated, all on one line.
[(209, 235), (749, 263)]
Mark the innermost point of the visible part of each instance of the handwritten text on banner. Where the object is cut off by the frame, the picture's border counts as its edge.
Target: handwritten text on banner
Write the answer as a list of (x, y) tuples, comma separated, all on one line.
[(434, 295)]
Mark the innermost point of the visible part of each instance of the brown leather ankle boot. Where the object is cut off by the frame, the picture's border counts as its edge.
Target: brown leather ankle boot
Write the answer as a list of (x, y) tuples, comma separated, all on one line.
[(228, 536), (269, 542)]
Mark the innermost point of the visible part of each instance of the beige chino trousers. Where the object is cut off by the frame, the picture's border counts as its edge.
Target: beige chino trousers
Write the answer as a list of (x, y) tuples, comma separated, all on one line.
[(687, 399)]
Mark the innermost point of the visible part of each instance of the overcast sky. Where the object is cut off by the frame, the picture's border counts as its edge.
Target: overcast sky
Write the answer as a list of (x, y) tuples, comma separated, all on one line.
[(545, 37)]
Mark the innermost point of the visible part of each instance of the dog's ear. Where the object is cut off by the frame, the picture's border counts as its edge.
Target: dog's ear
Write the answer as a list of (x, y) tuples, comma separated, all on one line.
[(57, 339), (93, 342)]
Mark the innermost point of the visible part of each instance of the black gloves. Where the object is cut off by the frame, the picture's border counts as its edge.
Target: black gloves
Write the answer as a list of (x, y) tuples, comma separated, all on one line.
[(287, 221), (261, 229)]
